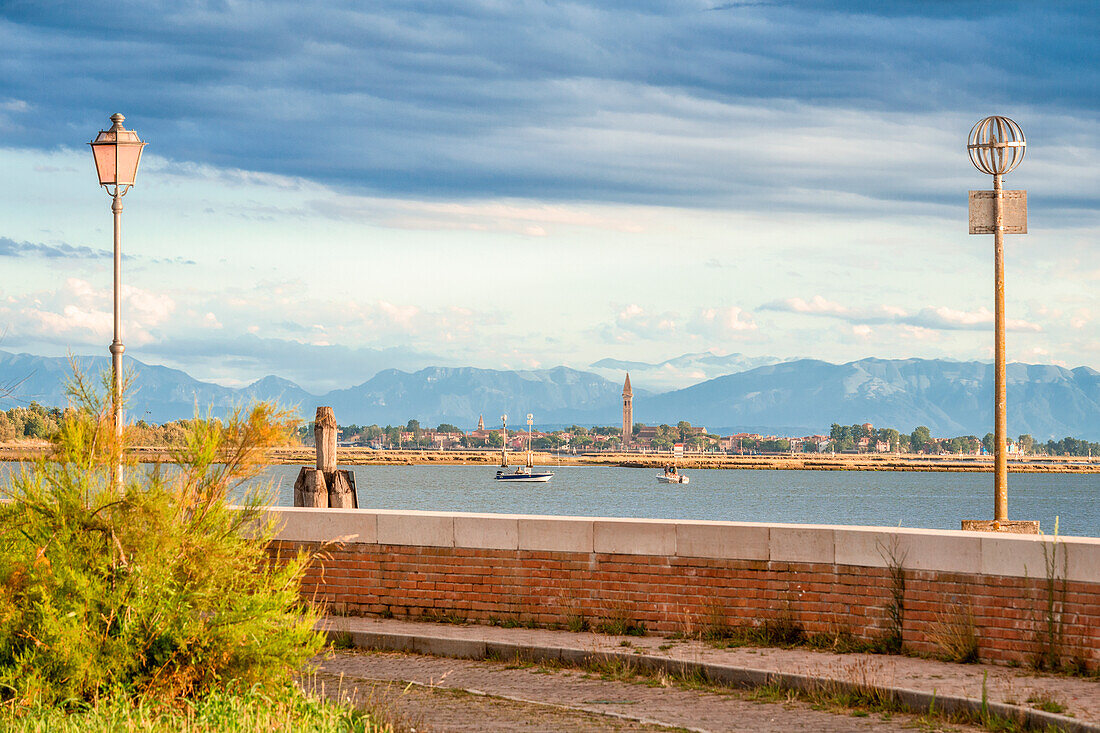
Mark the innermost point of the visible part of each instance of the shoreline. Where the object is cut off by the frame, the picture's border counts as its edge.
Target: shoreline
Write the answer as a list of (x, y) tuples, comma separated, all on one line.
[(304, 455)]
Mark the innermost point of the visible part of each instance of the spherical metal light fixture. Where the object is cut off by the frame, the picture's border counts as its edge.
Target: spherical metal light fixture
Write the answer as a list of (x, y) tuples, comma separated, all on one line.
[(996, 145)]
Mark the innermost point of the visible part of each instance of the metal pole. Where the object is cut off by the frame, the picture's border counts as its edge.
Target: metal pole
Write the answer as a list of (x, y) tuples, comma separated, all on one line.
[(1000, 430), (116, 345)]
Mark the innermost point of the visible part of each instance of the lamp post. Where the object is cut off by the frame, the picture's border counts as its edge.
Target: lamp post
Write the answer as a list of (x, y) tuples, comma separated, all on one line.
[(117, 153), (996, 145)]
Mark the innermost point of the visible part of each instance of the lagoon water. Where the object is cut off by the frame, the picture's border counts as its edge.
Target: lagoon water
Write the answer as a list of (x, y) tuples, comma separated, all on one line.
[(882, 498)]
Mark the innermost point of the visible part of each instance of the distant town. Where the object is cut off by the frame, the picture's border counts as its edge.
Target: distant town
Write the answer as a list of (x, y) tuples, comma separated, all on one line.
[(851, 439), (36, 422)]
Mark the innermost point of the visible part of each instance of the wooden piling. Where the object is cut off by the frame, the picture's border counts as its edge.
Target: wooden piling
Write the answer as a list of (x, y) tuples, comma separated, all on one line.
[(326, 485)]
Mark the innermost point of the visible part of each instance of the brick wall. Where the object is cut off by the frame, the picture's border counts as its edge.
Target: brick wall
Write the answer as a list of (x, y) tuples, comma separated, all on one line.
[(681, 576)]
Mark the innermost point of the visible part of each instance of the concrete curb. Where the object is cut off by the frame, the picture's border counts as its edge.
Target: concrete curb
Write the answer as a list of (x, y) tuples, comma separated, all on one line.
[(914, 701)]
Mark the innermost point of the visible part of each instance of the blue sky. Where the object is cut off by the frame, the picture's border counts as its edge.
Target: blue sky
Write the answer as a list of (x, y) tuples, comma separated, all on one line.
[(330, 190)]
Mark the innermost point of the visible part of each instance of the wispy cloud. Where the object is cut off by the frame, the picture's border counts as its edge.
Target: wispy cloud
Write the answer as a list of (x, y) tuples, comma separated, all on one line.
[(634, 322), (11, 248), (60, 250), (937, 318)]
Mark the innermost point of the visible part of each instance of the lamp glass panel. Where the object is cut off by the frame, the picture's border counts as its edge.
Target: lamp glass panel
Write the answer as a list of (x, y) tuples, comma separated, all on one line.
[(128, 158), (105, 163)]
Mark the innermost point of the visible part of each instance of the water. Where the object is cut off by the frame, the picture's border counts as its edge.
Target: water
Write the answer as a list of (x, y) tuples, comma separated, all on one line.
[(882, 498)]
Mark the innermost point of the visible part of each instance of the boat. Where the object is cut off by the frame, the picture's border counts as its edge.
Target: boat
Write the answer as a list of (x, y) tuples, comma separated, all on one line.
[(672, 476), (526, 473)]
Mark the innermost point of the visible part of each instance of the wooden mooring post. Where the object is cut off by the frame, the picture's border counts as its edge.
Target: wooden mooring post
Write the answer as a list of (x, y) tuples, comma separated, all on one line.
[(325, 486)]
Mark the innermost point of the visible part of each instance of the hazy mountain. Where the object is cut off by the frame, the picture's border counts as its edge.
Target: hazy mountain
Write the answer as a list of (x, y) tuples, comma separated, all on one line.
[(681, 371), (803, 396), (951, 398), (159, 393), (460, 395)]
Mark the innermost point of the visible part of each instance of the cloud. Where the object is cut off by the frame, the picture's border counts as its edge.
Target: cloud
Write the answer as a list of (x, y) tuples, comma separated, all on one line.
[(237, 336), (11, 248), (816, 305), (932, 318), (949, 319), (634, 322), (793, 104), (720, 322), (78, 314), (29, 250), (531, 219)]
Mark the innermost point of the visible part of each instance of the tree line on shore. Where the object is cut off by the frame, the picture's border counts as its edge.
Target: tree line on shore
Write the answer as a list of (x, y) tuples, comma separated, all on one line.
[(36, 421)]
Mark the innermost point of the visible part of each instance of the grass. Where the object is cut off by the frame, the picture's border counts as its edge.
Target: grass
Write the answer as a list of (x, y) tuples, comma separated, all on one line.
[(250, 711), (621, 627), (576, 623), (1051, 638), (441, 617), (861, 697), (895, 563), (1046, 702), (955, 634)]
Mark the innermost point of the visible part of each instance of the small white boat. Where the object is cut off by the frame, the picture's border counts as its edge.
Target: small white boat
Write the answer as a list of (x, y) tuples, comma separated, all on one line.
[(671, 476), (525, 474)]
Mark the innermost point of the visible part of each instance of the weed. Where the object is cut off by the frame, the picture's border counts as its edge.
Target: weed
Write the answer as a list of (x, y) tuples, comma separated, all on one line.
[(954, 634), (783, 630), (621, 627), (839, 641), (508, 622), (620, 624), (1046, 702), (576, 623), (1050, 642), (894, 641), (441, 617), (341, 640), (716, 625)]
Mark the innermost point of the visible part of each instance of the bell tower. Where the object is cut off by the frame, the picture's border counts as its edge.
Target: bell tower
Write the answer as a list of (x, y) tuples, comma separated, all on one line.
[(628, 412)]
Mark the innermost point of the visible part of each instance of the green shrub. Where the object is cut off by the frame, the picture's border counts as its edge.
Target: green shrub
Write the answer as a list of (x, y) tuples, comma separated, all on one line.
[(150, 588), (226, 711)]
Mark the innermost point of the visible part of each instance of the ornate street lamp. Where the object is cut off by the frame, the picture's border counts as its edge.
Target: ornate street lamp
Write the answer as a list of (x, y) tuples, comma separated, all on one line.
[(117, 153)]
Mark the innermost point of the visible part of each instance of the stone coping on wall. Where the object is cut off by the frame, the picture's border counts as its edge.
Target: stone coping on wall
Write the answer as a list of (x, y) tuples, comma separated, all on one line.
[(951, 551)]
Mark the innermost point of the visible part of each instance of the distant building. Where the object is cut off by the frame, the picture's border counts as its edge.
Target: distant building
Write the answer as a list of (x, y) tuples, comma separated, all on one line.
[(480, 422), (628, 411)]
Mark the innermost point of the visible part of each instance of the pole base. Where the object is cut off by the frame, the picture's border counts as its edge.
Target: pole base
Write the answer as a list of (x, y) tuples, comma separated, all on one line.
[(1008, 526)]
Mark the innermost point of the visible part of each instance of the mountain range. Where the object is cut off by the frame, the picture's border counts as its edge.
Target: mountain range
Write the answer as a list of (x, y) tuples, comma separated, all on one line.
[(803, 396), (683, 370)]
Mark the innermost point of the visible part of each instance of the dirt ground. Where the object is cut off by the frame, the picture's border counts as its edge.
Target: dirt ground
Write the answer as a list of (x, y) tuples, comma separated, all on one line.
[(1078, 696), (466, 695)]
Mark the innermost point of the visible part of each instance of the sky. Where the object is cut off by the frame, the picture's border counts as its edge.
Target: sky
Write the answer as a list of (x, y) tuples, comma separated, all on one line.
[(329, 190)]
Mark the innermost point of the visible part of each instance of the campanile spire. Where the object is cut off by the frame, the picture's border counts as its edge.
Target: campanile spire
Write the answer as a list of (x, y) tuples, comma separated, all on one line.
[(628, 411)]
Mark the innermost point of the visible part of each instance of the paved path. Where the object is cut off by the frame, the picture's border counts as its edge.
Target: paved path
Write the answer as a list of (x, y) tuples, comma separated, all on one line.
[(510, 697), (1080, 697)]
